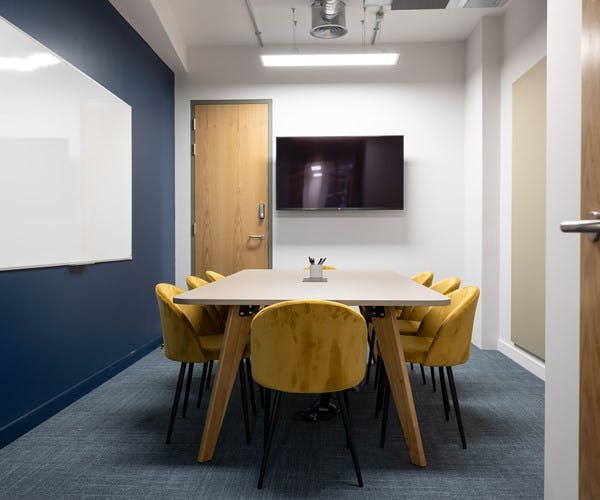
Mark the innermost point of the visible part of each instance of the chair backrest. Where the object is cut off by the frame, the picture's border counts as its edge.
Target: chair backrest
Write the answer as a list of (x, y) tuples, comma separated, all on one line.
[(213, 311), (222, 311), (425, 279), (213, 276), (445, 287), (180, 325), (451, 327), (194, 282), (308, 346), (325, 268)]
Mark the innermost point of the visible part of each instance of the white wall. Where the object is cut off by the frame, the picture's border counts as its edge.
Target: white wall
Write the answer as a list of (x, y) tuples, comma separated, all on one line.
[(524, 44), (423, 99), (562, 250), (482, 121)]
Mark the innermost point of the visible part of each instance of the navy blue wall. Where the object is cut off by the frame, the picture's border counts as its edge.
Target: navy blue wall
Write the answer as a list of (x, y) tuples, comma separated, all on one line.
[(64, 331)]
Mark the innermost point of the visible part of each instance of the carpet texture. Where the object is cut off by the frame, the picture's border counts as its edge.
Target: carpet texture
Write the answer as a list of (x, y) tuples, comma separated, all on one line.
[(110, 444)]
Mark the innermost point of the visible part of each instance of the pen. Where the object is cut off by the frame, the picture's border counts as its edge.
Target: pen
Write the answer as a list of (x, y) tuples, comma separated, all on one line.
[(311, 260)]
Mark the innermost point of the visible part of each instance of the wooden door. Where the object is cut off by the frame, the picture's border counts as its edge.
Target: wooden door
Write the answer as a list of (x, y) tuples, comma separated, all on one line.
[(589, 399), (231, 183)]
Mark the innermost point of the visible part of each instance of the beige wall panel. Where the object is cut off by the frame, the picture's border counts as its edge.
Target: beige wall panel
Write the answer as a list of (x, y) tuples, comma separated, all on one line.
[(529, 210)]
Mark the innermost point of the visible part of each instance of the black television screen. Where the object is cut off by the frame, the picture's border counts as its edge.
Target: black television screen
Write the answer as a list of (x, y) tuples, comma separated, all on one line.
[(338, 173)]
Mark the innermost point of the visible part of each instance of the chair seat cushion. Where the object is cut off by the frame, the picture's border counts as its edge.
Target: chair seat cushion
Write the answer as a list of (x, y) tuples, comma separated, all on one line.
[(213, 343), (408, 327), (415, 348)]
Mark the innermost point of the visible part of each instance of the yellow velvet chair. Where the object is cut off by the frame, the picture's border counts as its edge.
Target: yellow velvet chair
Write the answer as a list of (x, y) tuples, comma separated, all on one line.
[(425, 278), (325, 268), (444, 341), (213, 276), (190, 336), (307, 347), (194, 282), (411, 325)]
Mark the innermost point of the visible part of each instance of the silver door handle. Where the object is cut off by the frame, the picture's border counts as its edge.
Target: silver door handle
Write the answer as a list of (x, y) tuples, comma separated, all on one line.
[(591, 226), (256, 236)]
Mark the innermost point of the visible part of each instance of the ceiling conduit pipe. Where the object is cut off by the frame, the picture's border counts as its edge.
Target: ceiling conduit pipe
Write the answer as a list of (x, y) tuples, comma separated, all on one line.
[(257, 32), (377, 27)]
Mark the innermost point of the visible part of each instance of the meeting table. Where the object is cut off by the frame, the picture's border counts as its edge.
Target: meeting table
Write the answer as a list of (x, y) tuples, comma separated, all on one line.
[(377, 292)]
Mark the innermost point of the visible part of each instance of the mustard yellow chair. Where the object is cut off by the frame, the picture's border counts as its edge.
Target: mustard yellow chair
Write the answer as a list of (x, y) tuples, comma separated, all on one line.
[(444, 341), (213, 276), (190, 336), (425, 279), (411, 325), (194, 282), (307, 347), (325, 268)]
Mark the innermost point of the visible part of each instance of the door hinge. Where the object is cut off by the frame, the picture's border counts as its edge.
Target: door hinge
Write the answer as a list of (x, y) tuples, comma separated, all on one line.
[(193, 149), (194, 229), (193, 124)]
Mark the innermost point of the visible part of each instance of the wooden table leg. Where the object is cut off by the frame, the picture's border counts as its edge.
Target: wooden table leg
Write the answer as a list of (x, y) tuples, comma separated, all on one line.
[(234, 343), (392, 354)]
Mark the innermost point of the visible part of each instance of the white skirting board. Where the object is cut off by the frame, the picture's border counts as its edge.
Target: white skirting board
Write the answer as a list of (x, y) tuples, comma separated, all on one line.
[(523, 358)]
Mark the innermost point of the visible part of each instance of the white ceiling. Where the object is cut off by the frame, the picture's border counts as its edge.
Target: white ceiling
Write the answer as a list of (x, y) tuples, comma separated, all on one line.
[(226, 22), (217, 23)]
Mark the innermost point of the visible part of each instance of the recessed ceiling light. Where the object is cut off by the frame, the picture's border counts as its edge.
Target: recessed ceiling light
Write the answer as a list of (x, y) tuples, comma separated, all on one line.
[(315, 168), (300, 60)]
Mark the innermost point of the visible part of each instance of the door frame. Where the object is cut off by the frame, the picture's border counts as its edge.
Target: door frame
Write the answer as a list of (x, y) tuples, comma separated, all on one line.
[(193, 104)]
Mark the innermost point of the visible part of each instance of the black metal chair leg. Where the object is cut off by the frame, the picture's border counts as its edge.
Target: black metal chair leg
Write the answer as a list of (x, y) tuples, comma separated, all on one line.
[(269, 440), (261, 391), (370, 359), (267, 410), (432, 377), (210, 367), (456, 407), (176, 401), (386, 411), (244, 401), (202, 384), (346, 419), (377, 372), (412, 366), (423, 374), (380, 388), (187, 388), (251, 385), (444, 394)]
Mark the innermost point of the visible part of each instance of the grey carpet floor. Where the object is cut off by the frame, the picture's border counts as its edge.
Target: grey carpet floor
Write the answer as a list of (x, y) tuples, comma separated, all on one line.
[(110, 444)]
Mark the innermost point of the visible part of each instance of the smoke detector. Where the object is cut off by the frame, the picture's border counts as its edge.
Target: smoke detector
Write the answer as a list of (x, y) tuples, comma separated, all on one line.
[(328, 19)]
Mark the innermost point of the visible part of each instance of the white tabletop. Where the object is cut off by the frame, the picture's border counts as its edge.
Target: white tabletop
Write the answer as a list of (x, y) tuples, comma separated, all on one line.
[(354, 288)]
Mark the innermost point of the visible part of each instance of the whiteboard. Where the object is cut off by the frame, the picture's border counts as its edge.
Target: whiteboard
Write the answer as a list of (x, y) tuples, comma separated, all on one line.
[(65, 161)]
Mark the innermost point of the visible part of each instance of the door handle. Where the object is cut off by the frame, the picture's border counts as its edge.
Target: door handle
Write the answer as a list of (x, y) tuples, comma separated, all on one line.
[(591, 226), (256, 236)]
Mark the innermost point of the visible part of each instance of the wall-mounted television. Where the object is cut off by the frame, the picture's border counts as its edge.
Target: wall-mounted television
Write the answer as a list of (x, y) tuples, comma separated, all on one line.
[(340, 173)]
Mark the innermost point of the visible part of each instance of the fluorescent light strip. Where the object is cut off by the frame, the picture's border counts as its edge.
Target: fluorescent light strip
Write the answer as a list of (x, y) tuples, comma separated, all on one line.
[(360, 59)]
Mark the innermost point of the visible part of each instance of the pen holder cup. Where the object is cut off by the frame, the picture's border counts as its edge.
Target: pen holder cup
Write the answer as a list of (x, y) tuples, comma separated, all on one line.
[(316, 271)]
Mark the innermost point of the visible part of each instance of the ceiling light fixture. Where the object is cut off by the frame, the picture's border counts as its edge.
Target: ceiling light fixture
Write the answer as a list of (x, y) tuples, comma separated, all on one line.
[(305, 60)]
